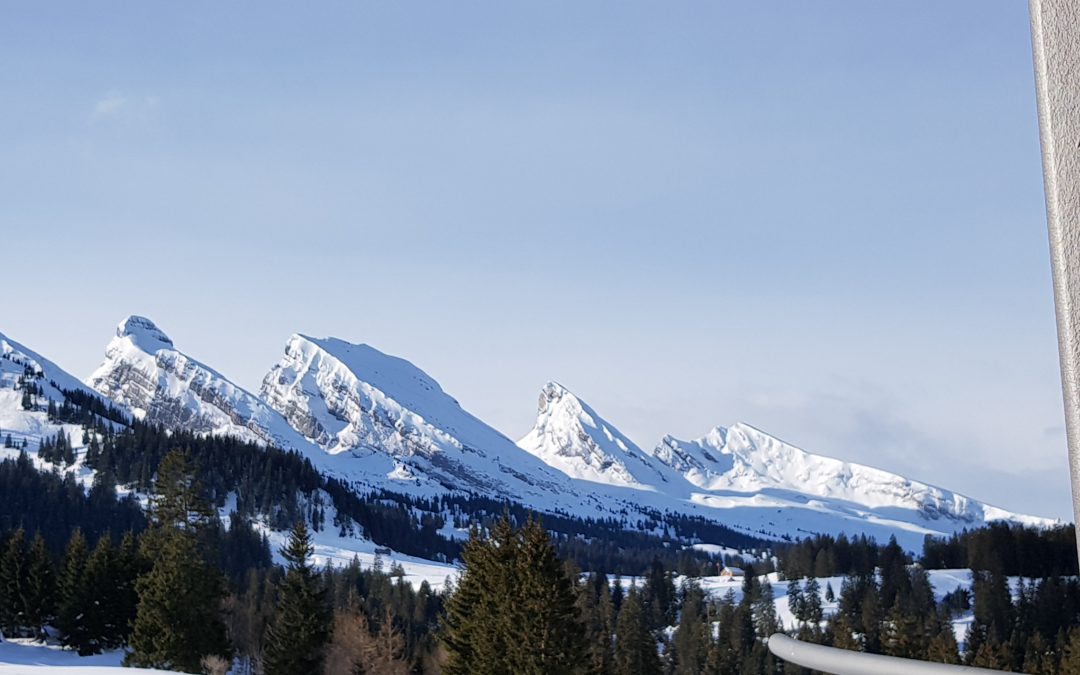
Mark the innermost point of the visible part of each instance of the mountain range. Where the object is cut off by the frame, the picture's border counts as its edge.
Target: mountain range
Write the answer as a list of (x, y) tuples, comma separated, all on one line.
[(378, 422)]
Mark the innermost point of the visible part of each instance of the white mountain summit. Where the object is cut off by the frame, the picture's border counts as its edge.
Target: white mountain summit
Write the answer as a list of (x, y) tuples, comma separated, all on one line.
[(573, 438), (144, 372), (352, 398)]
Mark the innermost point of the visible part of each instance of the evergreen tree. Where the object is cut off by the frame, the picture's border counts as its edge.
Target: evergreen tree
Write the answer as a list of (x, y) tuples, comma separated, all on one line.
[(598, 617), (74, 596), (658, 595), (123, 597), (766, 622), (795, 600), (690, 645), (514, 609), (300, 631), (812, 611), (13, 576), (178, 621), (39, 592), (943, 647), (546, 622), (635, 644), (476, 630)]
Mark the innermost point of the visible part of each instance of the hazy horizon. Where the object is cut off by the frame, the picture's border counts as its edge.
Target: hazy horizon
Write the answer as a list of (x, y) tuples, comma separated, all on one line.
[(827, 222)]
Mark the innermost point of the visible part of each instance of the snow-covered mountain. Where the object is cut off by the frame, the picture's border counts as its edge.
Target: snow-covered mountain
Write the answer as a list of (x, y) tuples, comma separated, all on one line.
[(145, 372), (748, 460), (350, 398), (29, 383), (573, 438), (744, 475), (380, 422)]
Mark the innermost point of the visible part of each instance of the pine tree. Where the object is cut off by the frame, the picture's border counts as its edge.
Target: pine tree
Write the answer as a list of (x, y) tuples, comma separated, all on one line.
[(514, 608), (766, 621), (124, 598), (545, 619), (39, 593), (812, 611), (300, 631), (690, 645), (598, 616), (13, 577), (991, 655), (902, 634), (73, 596), (469, 633), (658, 596), (635, 645), (178, 621), (943, 647), (796, 604)]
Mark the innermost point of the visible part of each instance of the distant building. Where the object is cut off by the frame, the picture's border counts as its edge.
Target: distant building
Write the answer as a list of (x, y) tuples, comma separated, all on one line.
[(732, 574), (383, 551)]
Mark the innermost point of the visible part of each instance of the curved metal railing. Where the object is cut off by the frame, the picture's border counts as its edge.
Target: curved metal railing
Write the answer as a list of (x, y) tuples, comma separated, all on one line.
[(844, 662)]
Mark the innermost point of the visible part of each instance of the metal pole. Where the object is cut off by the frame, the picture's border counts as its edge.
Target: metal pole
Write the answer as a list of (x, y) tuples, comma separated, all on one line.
[(844, 662), (1055, 44)]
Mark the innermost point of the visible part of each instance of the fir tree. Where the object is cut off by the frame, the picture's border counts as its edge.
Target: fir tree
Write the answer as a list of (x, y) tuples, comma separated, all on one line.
[(39, 592), (943, 647), (795, 600), (635, 644), (812, 611), (598, 615), (546, 623), (178, 621), (74, 596), (514, 609), (690, 645), (297, 638), (13, 576)]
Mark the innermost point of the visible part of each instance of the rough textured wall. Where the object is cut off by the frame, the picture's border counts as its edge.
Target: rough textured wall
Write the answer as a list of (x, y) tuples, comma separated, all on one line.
[(1055, 37)]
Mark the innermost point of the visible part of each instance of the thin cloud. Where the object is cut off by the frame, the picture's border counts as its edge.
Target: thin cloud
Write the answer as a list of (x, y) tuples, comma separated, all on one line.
[(116, 104)]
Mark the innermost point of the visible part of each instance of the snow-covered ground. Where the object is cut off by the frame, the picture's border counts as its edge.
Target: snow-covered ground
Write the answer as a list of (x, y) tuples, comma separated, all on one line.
[(330, 549), (32, 658)]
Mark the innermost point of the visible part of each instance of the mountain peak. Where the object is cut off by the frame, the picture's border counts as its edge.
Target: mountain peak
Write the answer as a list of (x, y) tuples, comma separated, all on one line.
[(553, 392), (354, 399), (143, 332), (570, 436)]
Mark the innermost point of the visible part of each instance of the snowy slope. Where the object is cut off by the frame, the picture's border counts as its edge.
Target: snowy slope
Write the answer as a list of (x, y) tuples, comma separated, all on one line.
[(744, 477), (32, 658), (145, 372), (349, 398), (570, 436), (743, 459), (19, 367)]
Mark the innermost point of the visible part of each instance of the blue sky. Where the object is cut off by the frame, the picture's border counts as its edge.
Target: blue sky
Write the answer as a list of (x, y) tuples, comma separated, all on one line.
[(825, 219)]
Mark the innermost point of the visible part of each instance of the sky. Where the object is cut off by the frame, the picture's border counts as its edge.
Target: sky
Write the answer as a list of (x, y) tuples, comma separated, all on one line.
[(823, 219)]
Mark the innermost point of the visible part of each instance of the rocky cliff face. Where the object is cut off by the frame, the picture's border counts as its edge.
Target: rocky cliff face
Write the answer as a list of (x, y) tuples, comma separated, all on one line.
[(144, 372), (352, 398)]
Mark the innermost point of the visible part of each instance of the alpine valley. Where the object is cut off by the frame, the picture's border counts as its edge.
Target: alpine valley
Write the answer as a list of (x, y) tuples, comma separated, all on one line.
[(396, 464)]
